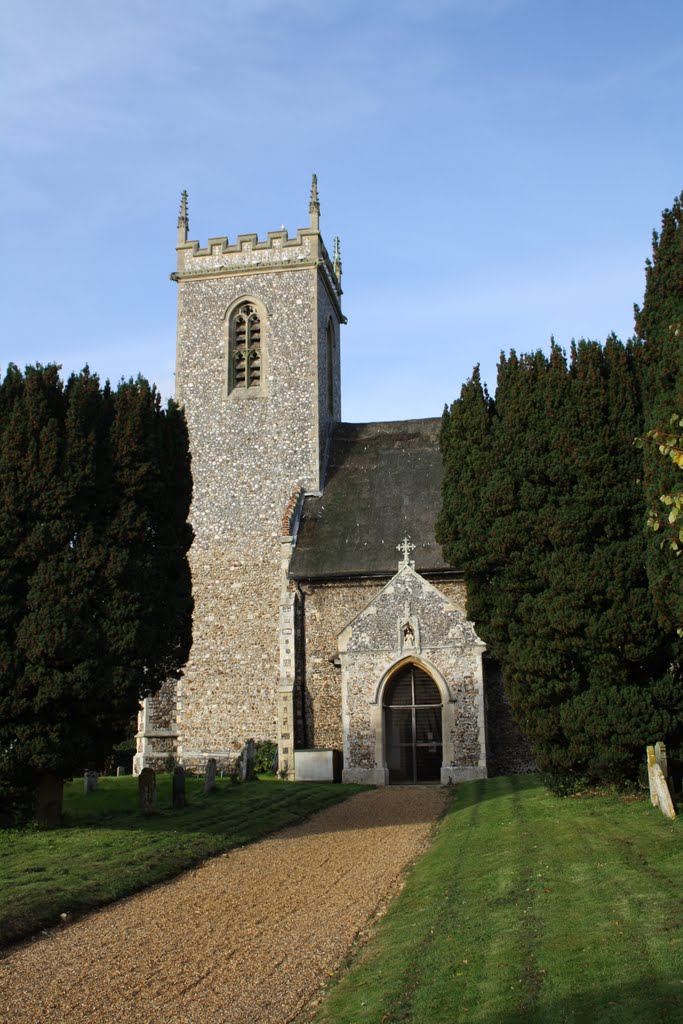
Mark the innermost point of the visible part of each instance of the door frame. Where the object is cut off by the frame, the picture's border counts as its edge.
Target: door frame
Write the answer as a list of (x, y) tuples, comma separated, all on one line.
[(383, 708)]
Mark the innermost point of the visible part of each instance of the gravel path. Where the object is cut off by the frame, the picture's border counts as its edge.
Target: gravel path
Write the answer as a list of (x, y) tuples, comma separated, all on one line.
[(247, 937)]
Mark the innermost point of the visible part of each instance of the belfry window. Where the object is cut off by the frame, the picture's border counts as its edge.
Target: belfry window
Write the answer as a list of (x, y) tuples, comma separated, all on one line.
[(245, 348)]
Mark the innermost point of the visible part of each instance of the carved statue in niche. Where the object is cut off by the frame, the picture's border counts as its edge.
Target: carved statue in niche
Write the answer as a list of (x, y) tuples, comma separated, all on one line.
[(408, 631)]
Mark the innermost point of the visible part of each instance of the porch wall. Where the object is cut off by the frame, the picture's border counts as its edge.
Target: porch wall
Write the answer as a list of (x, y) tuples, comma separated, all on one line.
[(443, 643)]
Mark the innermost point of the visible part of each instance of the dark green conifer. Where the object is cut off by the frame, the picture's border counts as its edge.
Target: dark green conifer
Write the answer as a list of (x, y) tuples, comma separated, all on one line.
[(556, 584), (32, 522), (663, 301), (465, 443), (660, 323), (96, 610)]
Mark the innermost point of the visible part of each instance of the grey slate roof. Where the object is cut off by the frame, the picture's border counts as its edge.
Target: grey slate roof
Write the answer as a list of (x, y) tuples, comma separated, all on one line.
[(383, 483)]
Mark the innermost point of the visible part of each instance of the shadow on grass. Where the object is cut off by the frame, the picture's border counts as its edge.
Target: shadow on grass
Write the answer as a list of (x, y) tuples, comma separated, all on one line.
[(107, 849), (226, 805), (648, 998), (286, 804)]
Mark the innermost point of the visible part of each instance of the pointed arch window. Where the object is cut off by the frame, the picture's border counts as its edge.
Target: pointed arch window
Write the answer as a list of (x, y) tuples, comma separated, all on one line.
[(245, 355)]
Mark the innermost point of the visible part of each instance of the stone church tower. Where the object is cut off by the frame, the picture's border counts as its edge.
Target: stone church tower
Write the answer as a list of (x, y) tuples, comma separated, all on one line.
[(258, 373)]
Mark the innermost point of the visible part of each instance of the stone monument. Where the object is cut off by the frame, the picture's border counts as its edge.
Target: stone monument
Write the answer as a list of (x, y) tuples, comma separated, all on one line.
[(147, 791)]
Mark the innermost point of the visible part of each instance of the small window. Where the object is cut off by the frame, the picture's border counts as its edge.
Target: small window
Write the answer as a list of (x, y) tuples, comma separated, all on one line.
[(245, 348)]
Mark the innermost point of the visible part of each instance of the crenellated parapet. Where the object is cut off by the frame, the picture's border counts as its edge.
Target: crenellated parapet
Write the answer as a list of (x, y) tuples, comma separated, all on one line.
[(251, 255)]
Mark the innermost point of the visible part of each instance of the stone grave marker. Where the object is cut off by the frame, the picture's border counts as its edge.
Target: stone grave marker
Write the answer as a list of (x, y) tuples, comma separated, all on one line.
[(659, 789), (120, 771), (651, 762), (147, 791), (89, 781), (210, 775), (179, 787), (664, 801), (248, 761), (661, 758), (49, 801)]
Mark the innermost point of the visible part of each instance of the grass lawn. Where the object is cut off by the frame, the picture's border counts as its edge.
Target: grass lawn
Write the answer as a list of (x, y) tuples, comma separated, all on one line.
[(107, 849), (528, 908)]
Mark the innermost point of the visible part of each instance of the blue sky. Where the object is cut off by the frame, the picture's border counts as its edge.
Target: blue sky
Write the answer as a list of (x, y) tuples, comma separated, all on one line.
[(494, 169)]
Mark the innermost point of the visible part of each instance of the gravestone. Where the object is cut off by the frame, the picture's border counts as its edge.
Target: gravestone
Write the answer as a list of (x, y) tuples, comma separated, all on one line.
[(178, 787), (89, 781), (120, 771), (210, 775), (661, 758), (49, 801), (247, 766), (651, 762), (147, 791), (664, 801), (659, 790)]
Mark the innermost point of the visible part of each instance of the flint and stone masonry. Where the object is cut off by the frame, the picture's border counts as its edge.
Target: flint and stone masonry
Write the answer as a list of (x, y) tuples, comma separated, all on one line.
[(303, 614), (411, 622)]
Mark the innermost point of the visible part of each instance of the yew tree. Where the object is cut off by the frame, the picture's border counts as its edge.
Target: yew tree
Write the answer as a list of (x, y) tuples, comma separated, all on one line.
[(660, 324), (95, 596), (543, 512)]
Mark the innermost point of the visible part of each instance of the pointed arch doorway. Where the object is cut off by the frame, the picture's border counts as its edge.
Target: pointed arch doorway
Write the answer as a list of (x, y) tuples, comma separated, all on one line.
[(413, 726)]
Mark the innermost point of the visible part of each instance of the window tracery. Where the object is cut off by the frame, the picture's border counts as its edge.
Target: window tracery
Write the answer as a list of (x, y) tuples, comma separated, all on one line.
[(245, 348)]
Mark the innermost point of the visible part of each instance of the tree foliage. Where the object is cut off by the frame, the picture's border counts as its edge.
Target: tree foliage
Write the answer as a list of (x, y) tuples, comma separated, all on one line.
[(666, 516), (542, 511), (669, 519), (663, 301), (95, 597), (658, 323)]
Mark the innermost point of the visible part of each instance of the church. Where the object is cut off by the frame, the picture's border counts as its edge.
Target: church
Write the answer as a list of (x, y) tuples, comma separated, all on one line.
[(325, 615)]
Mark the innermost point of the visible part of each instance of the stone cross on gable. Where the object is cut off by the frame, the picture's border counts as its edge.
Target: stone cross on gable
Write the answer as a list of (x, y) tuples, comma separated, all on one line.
[(406, 547)]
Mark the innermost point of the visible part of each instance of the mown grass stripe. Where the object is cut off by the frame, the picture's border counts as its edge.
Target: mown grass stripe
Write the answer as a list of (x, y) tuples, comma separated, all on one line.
[(509, 918)]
